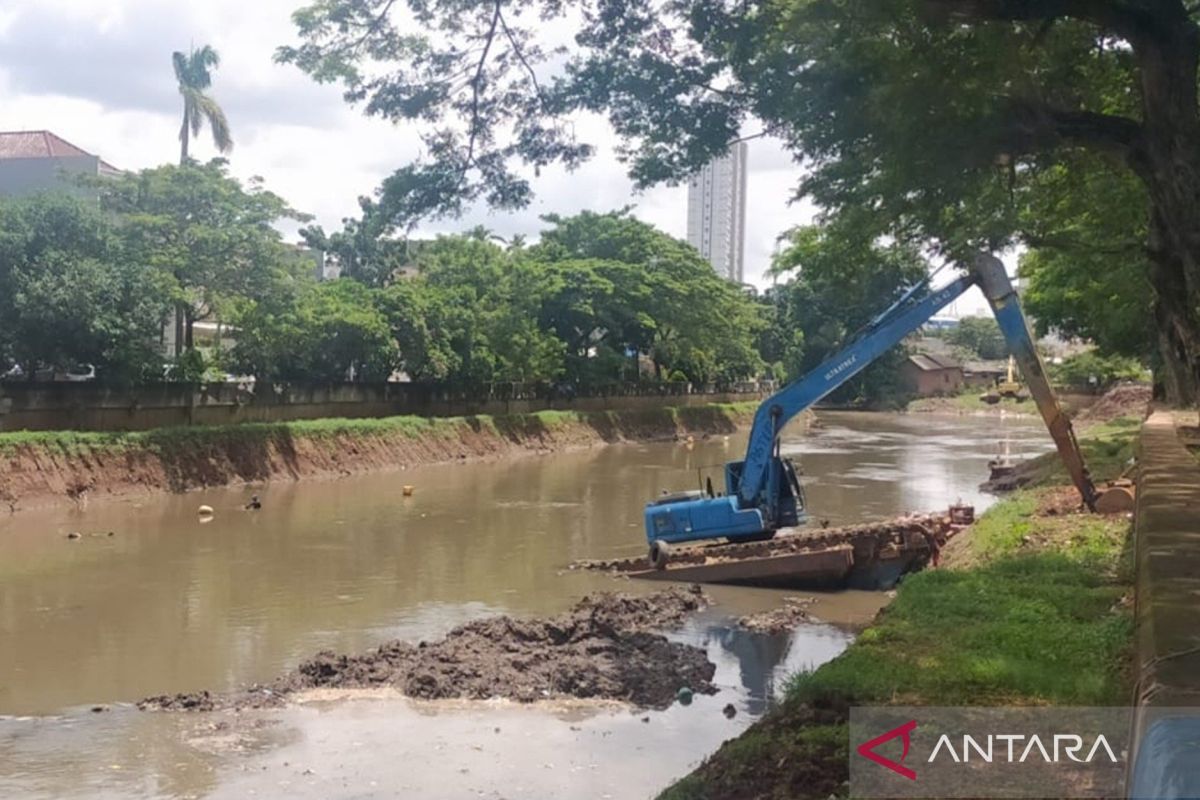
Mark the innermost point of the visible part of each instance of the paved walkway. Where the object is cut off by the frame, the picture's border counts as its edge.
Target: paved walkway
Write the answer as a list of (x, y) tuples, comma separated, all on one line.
[(1168, 567), (1167, 548)]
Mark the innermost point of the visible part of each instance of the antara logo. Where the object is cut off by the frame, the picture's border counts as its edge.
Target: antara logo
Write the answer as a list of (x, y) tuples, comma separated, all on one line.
[(867, 749), (1069, 745), (1004, 748)]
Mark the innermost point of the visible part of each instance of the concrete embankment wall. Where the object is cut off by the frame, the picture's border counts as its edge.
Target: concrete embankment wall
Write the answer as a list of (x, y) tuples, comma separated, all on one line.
[(96, 407), (38, 469), (1167, 658)]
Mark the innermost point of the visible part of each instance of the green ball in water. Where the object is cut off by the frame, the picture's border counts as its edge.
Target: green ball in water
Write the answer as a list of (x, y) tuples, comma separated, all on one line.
[(684, 696)]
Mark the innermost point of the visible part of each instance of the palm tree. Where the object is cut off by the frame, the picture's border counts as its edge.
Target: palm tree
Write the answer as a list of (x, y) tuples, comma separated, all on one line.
[(194, 73)]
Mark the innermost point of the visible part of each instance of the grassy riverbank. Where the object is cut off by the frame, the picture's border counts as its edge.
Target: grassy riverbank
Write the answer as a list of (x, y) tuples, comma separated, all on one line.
[(43, 467), (1031, 606), (969, 402), (718, 416)]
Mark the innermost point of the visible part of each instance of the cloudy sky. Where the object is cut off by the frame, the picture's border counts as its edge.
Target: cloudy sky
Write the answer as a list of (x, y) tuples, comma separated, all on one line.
[(99, 75)]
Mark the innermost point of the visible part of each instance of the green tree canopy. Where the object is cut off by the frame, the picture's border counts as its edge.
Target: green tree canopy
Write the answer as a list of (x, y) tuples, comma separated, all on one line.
[(1090, 368), (216, 238), (422, 323), (71, 294), (596, 292), (1088, 274), (625, 285), (980, 336), (331, 332), (836, 281), (361, 250), (936, 116)]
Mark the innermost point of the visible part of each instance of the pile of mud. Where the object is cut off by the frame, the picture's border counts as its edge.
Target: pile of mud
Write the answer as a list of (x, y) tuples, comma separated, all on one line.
[(777, 621), (603, 648), (1125, 400)]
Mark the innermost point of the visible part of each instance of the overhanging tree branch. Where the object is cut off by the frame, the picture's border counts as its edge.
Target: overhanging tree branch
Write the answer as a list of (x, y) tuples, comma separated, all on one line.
[(520, 54), (1033, 127), (476, 87), (1067, 242), (1122, 18), (1097, 131), (369, 30)]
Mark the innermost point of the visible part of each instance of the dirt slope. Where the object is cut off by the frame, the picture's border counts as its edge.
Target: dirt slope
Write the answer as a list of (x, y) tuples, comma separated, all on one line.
[(1124, 400), (46, 469)]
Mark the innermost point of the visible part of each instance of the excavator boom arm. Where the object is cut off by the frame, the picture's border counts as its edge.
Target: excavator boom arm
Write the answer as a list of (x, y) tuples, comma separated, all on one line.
[(889, 328), (1002, 297), (885, 332), (758, 500)]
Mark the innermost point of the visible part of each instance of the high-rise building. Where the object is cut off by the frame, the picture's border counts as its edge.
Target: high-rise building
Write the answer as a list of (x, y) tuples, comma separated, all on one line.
[(717, 213)]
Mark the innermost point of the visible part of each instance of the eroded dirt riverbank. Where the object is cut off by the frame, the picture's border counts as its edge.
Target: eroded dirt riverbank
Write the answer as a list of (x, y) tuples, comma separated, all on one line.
[(56, 468)]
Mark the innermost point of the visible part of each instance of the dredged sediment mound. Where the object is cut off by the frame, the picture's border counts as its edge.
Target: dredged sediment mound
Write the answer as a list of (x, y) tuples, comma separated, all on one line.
[(605, 647)]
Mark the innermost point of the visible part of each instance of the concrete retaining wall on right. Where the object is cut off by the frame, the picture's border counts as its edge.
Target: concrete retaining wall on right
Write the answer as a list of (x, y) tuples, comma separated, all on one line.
[(1166, 762)]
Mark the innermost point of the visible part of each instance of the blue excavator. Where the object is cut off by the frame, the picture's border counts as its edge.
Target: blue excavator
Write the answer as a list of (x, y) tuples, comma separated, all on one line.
[(762, 492)]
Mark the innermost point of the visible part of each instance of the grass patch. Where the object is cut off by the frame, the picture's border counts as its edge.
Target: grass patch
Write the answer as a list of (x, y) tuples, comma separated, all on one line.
[(166, 439), (1107, 450), (1109, 447), (969, 402), (1020, 524), (1028, 628), (66, 442), (1037, 618), (973, 401)]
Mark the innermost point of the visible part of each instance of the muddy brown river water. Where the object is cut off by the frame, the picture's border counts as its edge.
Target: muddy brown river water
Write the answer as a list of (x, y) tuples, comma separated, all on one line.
[(169, 604)]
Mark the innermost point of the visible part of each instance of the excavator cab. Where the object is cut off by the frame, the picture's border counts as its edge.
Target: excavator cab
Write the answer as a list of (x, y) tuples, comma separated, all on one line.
[(786, 503), (687, 516)]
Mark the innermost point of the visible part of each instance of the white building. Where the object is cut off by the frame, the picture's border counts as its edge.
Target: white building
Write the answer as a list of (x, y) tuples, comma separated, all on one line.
[(717, 213)]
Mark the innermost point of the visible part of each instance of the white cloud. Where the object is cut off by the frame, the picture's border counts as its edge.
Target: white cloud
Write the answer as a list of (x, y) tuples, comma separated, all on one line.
[(99, 75)]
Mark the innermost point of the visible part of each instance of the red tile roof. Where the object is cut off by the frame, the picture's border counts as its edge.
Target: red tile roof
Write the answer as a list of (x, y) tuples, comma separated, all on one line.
[(927, 362), (41, 144), (36, 144)]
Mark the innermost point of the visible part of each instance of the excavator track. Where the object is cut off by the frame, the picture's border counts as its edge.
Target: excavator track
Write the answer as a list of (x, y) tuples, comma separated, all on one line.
[(871, 555)]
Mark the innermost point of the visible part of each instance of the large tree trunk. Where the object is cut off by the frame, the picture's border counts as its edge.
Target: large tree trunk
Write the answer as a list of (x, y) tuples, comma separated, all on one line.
[(1167, 159), (189, 328), (1175, 312), (179, 312), (1172, 372)]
